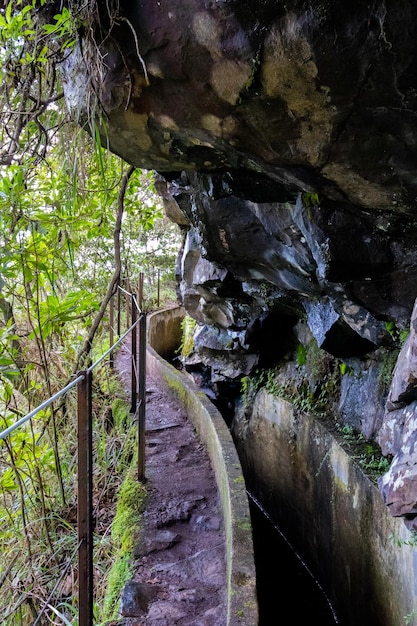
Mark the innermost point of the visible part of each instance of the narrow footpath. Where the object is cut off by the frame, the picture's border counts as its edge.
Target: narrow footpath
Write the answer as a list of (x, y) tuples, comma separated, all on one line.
[(179, 561)]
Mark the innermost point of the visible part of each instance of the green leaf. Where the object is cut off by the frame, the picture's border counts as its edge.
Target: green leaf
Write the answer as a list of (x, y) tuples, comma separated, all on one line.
[(7, 480)]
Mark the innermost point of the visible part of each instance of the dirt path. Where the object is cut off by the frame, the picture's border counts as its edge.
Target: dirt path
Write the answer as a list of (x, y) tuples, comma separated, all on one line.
[(180, 573)]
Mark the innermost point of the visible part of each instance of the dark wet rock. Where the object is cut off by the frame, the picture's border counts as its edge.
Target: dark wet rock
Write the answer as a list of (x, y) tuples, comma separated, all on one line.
[(343, 328), (361, 403), (176, 510), (160, 540), (136, 597), (203, 522), (313, 98)]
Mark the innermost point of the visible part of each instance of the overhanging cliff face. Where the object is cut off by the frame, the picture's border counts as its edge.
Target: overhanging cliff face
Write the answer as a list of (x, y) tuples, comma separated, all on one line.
[(284, 136)]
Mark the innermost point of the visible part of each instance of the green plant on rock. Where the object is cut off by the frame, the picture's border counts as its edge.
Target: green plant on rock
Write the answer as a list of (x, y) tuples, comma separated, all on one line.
[(348, 432), (345, 369), (301, 355), (310, 199), (310, 398), (251, 384), (188, 325), (374, 464), (366, 453), (398, 335), (410, 618), (412, 542)]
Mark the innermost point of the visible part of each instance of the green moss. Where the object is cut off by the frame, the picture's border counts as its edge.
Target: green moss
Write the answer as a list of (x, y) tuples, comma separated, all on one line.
[(310, 199), (316, 360), (178, 388), (120, 412), (387, 368), (130, 503), (119, 574), (125, 529)]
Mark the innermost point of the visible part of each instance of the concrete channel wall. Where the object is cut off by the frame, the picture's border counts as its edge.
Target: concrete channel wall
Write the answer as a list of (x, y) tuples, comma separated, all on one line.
[(331, 513), (164, 336)]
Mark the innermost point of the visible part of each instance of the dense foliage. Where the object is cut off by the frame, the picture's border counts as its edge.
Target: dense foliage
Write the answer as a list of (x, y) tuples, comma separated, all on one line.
[(75, 222)]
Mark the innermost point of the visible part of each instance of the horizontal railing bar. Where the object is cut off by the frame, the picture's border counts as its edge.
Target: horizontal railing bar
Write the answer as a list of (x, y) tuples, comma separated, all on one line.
[(43, 405), (94, 365), (64, 390), (132, 295), (124, 291)]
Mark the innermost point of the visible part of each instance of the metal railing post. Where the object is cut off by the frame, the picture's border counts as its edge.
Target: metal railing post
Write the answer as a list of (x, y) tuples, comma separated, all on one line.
[(111, 361), (134, 377), (85, 501), (140, 300), (118, 313), (142, 397)]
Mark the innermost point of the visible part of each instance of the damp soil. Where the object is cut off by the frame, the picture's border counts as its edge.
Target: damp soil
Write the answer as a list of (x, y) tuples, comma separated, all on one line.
[(179, 570)]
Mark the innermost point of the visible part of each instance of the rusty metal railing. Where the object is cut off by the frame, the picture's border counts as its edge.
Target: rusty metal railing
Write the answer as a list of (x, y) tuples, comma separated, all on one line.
[(83, 382)]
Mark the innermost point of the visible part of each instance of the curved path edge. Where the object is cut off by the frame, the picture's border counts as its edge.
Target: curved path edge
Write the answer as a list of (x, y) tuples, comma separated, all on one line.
[(163, 338)]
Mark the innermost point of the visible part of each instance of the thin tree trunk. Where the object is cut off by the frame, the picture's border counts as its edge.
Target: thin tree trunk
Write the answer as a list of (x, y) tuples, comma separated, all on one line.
[(115, 279), (8, 315)]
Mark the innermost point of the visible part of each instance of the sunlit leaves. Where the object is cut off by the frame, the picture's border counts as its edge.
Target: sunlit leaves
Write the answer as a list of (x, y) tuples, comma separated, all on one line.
[(62, 27), (55, 312), (16, 25), (7, 480)]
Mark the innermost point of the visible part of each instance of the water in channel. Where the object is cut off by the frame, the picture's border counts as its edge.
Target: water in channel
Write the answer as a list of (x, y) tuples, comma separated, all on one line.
[(287, 591)]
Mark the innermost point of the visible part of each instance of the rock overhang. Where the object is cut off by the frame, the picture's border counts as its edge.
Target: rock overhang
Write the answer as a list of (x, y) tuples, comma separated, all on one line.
[(317, 99), (285, 138)]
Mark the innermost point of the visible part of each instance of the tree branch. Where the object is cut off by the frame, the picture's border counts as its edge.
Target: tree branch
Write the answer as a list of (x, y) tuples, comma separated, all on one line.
[(115, 279)]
